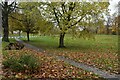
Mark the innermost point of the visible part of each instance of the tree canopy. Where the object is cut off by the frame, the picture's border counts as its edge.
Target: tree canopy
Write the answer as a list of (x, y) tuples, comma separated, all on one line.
[(76, 18)]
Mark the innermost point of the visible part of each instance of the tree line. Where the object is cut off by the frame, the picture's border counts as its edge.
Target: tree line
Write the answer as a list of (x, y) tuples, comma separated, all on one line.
[(52, 18)]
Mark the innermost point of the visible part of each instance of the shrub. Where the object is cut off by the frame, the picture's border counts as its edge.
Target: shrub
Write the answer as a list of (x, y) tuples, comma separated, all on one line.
[(30, 62), (23, 63), (13, 63)]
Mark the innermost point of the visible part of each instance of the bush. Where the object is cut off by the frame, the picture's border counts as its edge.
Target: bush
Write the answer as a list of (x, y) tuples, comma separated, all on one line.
[(23, 63), (13, 63), (30, 62)]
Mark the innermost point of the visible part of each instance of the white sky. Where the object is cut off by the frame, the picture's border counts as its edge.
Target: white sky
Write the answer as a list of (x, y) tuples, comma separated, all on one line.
[(113, 6)]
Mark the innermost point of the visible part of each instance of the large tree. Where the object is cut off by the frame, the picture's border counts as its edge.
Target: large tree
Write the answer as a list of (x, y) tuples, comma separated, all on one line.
[(68, 15), (0, 20), (7, 8)]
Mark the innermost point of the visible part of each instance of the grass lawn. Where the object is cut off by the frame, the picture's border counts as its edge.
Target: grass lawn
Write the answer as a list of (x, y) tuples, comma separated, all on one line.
[(49, 68), (101, 52), (12, 40)]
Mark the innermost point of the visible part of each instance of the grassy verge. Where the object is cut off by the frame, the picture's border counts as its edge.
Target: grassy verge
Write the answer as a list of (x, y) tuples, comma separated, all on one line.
[(101, 52), (12, 40)]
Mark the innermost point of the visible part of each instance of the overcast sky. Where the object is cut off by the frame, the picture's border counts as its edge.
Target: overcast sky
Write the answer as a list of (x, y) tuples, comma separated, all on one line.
[(113, 6)]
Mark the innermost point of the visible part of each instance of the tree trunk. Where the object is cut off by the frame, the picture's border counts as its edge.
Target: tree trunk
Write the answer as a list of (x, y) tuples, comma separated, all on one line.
[(6, 28), (5, 23), (28, 39), (107, 30), (0, 20), (19, 33), (61, 40), (11, 32)]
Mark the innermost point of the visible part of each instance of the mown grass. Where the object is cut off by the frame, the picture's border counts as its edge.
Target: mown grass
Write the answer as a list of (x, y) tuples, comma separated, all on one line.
[(101, 43), (101, 52), (6, 43)]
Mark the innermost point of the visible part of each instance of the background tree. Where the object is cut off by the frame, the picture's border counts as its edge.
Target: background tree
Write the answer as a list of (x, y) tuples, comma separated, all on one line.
[(108, 23), (30, 16), (67, 15), (115, 25), (32, 20), (45, 27), (15, 19)]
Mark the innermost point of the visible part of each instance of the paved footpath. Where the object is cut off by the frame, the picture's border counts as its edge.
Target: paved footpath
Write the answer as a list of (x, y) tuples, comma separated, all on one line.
[(83, 66)]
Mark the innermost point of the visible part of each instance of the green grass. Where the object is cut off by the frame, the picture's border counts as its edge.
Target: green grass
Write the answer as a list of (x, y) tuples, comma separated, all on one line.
[(101, 43), (6, 43)]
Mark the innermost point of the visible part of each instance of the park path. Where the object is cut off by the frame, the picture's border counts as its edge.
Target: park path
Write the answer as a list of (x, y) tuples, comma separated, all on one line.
[(83, 66)]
